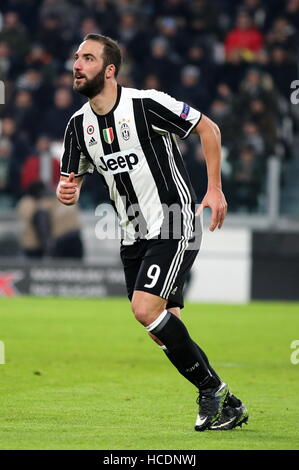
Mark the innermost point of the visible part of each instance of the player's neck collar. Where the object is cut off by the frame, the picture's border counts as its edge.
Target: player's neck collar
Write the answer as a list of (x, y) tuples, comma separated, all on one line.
[(119, 89)]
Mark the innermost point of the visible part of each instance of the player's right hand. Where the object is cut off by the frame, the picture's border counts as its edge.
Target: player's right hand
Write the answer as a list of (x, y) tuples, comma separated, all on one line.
[(215, 200), (68, 190)]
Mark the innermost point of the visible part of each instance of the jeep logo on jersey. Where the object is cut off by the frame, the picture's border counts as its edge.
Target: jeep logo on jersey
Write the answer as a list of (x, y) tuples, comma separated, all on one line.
[(118, 162)]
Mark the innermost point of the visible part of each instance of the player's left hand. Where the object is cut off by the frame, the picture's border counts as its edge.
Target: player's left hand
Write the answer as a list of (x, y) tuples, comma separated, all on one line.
[(215, 200)]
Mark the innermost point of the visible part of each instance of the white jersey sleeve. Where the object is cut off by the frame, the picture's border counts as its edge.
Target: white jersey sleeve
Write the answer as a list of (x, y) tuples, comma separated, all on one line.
[(165, 113), (73, 159)]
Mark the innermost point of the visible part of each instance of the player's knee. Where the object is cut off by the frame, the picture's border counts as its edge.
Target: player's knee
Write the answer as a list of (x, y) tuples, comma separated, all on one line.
[(145, 314), (141, 313)]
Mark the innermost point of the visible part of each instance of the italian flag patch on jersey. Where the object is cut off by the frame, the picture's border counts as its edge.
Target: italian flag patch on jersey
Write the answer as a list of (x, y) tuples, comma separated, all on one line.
[(108, 135)]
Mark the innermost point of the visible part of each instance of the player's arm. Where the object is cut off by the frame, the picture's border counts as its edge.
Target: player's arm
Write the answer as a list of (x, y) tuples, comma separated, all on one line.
[(210, 137), (68, 189), (74, 165)]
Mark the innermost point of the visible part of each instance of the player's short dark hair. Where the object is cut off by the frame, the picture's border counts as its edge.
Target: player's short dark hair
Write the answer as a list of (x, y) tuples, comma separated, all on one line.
[(111, 54)]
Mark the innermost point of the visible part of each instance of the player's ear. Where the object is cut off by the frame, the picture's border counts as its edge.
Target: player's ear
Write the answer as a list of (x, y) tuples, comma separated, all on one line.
[(110, 71)]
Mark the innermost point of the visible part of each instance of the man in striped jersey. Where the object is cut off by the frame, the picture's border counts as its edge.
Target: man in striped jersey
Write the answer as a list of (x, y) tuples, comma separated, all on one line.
[(130, 137)]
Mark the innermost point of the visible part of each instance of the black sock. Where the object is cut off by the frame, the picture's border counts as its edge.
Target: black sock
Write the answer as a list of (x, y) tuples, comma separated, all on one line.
[(204, 356), (172, 359), (184, 353), (231, 399)]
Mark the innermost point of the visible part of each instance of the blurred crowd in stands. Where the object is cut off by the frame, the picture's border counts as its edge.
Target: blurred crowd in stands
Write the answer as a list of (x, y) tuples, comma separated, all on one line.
[(233, 60)]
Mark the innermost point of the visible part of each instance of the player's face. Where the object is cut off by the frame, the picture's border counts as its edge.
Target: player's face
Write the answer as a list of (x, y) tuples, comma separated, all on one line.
[(89, 69)]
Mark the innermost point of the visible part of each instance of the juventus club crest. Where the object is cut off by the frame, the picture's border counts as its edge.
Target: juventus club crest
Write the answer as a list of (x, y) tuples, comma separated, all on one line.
[(108, 135), (125, 131), (124, 128)]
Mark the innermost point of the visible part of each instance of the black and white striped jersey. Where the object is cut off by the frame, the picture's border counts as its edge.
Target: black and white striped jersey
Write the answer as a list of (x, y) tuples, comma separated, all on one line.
[(134, 149)]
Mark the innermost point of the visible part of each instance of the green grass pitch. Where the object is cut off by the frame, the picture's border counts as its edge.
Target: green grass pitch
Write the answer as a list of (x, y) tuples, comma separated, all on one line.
[(83, 374)]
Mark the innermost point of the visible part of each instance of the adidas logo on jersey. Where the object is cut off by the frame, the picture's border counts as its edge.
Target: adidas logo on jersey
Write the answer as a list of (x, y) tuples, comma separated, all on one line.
[(92, 142), (119, 162), (174, 291)]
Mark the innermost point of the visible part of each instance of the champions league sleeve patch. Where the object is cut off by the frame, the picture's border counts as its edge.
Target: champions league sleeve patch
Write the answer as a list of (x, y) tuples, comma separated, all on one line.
[(185, 111)]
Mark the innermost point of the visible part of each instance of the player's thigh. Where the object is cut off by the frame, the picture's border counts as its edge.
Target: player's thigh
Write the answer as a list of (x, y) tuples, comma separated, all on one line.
[(131, 257), (164, 268)]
